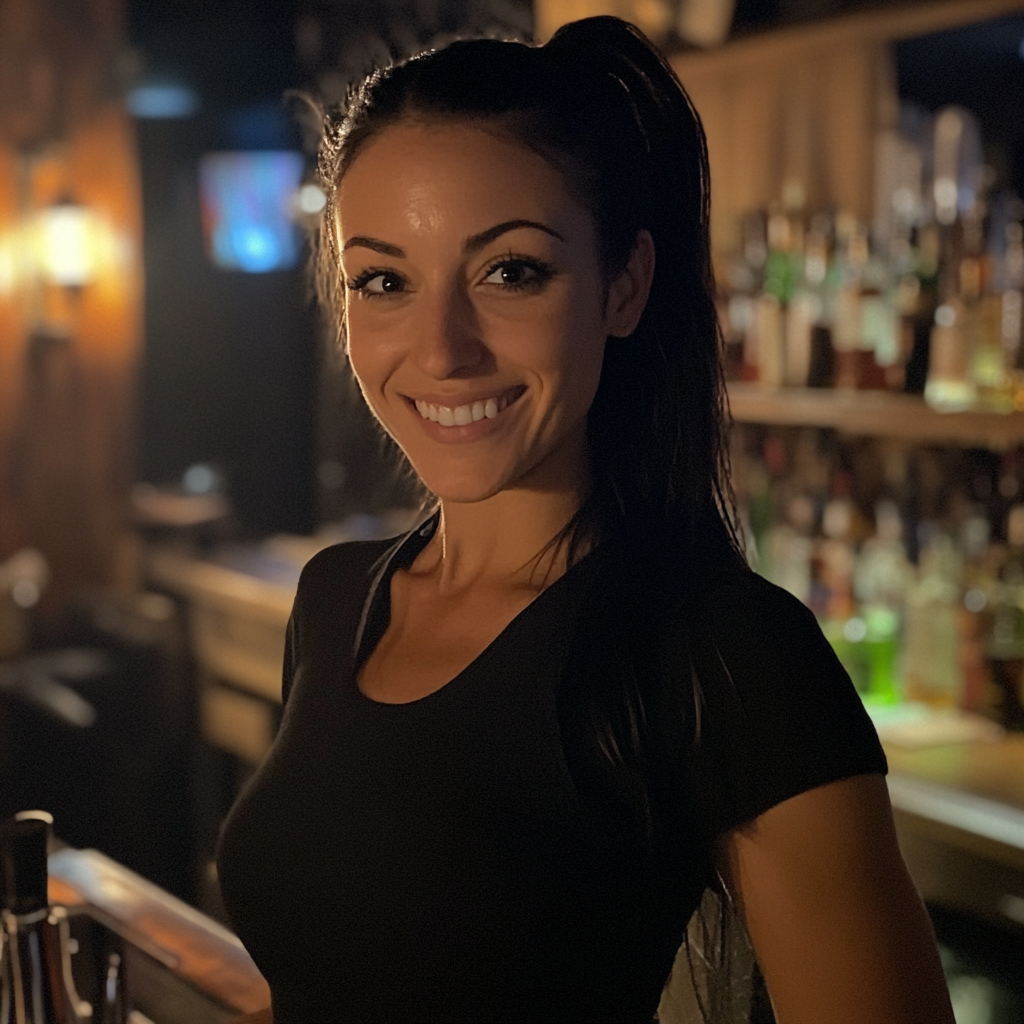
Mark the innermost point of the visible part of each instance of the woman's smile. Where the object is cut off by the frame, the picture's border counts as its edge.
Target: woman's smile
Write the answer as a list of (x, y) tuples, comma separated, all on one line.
[(459, 419)]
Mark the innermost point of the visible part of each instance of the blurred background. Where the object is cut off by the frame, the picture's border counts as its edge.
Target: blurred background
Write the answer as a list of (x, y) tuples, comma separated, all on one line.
[(178, 434)]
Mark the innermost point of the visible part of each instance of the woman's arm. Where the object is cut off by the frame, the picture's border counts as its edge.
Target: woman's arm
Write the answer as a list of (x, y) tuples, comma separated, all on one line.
[(839, 930)]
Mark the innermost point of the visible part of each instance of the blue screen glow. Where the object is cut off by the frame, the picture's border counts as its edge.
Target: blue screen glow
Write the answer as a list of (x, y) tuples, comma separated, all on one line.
[(246, 201), (162, 101)]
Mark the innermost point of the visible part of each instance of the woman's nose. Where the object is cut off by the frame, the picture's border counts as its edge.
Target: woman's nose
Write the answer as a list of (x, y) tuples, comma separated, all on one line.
[(448, 342)]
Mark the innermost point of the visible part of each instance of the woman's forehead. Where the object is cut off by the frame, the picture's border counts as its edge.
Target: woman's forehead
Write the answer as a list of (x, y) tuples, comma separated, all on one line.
[(422, 174)]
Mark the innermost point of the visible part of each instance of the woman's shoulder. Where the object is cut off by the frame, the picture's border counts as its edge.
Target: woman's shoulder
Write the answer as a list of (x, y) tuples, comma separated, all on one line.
[(737, 602), (354, 557), (341, 573), (780, 714), (767, 647)]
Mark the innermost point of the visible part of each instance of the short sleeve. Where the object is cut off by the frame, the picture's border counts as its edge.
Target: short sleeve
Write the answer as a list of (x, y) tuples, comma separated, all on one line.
[(778, 712)]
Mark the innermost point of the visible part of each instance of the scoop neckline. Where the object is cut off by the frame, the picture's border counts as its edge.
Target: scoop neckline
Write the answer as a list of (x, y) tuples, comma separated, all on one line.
[(399, 560)]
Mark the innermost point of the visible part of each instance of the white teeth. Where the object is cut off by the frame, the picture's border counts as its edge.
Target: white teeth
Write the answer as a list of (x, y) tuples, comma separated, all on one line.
[(462, 415)]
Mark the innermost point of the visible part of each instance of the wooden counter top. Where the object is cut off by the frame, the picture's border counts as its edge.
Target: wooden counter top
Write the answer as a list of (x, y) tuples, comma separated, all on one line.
[(968, 795), (992, 771), (184, 941)]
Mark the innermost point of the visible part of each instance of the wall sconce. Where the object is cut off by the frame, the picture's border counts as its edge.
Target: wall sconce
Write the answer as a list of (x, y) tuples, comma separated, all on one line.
[(67, 244)]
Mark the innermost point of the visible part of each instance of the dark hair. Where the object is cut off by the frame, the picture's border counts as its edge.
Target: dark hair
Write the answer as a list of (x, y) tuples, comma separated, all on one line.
[(604, 108)]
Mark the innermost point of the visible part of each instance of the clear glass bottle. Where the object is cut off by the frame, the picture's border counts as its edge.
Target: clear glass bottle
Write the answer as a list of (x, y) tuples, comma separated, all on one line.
[(950, 387), (881, 578), (931, 668)]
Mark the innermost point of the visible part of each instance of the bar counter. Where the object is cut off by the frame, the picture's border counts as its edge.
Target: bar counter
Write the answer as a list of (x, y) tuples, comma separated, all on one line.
[(183, 967)]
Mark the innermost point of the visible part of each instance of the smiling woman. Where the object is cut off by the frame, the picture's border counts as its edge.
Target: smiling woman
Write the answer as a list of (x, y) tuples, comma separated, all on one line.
[(522, 742)]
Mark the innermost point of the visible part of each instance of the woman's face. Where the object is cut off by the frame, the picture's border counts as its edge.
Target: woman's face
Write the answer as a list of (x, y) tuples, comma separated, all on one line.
[(475, 314)]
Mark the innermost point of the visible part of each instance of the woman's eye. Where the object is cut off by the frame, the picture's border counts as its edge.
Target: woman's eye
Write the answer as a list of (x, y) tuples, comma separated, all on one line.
[(377, 282), (513, 275)]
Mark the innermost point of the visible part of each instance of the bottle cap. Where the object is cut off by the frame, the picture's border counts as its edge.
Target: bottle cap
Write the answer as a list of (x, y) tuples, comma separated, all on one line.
[(23, 849)]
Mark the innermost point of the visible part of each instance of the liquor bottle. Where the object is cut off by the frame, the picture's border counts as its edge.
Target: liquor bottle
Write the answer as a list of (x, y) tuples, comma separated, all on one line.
[(833, 569), (905, 297), (879, 350), (743, 276), (979, 578), (882, 576), (844, 285), (790, 545), (817, 262), (990, 361), (918, 302), (949, 387), (769, 319), (931, 668), (808, 334), (36, 972), (1010, 289), (746, 276), (1004, 639)]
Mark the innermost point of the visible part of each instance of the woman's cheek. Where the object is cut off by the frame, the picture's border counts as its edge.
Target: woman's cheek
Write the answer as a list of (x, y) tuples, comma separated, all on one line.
[(368, 374)]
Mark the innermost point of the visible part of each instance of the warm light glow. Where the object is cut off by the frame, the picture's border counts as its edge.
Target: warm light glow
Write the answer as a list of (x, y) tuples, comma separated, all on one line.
[(7, 267), (67, 245)]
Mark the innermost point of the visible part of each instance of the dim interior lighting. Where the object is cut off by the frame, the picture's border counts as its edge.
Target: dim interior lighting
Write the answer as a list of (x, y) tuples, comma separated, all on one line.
[(25, 594), (201, 479), (311, 199), (945, 200), (1020, 49), (24, 576), (67, 244), (162, 101), (855, 629)]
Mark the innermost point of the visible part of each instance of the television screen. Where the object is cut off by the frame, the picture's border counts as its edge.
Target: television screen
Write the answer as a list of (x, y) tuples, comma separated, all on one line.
[(246, 206)]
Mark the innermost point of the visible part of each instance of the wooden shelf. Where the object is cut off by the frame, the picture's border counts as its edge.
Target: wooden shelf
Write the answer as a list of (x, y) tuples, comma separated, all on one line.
[(873, 413)]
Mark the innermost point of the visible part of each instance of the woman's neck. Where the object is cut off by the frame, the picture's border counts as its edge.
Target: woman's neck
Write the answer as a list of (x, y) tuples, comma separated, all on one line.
[(497, 541)]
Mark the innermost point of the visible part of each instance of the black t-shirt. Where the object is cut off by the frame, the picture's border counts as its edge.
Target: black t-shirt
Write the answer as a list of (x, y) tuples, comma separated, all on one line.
[(448, 859)]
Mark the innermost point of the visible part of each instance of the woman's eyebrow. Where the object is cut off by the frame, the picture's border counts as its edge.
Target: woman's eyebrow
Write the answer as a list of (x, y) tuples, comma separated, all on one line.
[(472, 244), (366, 242), (476, 242)]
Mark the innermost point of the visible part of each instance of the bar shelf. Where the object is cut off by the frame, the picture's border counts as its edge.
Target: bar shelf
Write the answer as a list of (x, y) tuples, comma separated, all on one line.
[(875, 414)]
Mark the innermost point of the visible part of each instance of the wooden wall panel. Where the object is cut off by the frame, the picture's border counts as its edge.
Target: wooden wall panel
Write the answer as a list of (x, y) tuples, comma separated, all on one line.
[(12, 342), (68, 357)]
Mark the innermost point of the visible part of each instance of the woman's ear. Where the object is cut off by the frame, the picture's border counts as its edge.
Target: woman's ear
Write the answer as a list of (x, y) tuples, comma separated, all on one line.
[(628, 293)]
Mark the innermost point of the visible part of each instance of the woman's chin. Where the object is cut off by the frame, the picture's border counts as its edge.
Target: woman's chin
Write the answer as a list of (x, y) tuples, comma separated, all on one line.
[(463, 488)]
